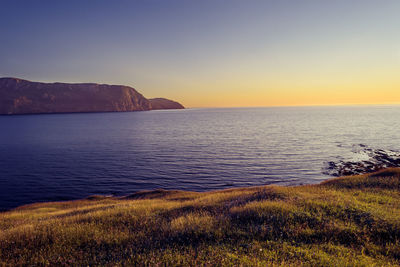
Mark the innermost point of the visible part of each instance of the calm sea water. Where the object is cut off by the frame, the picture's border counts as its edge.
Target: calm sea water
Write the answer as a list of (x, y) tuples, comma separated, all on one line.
[(71, 156)]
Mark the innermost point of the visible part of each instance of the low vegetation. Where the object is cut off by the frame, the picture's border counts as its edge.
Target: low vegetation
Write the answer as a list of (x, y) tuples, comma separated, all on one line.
[(350, 221)]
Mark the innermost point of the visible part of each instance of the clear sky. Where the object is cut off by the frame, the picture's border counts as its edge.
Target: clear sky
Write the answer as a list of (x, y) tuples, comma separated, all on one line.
[(211, 53)]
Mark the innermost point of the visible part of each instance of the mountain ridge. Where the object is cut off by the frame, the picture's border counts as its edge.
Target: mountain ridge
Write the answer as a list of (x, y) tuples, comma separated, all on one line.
[(19, 96)]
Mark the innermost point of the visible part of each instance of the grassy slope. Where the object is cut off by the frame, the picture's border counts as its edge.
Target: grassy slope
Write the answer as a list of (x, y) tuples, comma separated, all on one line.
[(341, 222)]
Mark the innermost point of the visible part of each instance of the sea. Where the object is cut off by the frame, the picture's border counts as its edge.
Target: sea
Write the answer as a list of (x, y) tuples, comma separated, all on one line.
[(55, 157)]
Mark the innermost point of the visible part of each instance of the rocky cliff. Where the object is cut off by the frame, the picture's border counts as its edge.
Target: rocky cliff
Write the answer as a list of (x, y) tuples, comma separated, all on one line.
[(19, 96)]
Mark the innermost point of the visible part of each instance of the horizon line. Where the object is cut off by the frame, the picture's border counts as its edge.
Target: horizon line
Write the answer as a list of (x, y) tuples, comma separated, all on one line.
[(300, 105)]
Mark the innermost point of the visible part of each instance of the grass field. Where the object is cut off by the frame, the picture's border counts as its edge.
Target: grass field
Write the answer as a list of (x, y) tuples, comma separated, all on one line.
[(350, 221)]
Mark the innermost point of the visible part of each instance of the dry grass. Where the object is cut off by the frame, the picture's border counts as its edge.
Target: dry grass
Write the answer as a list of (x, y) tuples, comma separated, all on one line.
[(350, 221)]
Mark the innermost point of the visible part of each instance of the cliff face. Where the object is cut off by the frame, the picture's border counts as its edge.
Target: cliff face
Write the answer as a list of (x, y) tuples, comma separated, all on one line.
[(19, 96), (163, 103)]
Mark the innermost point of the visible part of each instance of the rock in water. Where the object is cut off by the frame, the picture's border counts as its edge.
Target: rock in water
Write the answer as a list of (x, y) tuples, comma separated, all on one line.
[(19, 96), (377, 159)]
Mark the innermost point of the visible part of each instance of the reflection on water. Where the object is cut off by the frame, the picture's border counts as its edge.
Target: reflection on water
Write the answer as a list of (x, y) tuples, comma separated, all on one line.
[(69, 156)]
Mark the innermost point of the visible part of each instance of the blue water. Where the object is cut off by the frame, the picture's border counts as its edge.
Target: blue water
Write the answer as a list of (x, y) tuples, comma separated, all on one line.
[(70, 156)]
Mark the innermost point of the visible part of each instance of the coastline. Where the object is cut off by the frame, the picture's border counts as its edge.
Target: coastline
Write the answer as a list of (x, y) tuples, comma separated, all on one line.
[(351, 220)]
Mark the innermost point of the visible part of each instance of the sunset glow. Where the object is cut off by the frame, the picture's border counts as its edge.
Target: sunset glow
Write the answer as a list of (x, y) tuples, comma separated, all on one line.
[(199, 133), (212, 53)]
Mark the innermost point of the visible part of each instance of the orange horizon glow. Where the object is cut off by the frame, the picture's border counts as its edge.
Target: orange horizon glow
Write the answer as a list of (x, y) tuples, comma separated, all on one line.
[(333, 94), (256, 53)]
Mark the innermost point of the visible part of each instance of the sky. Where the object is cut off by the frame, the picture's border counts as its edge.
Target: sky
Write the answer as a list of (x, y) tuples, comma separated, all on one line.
[(211, 53)]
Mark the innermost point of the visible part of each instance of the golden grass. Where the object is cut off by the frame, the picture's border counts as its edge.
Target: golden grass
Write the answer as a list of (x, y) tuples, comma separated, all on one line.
[(349, 221)]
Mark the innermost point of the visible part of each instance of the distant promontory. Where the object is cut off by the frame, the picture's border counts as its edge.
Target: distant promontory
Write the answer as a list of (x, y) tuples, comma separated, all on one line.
[(163, 103), (18, 96)]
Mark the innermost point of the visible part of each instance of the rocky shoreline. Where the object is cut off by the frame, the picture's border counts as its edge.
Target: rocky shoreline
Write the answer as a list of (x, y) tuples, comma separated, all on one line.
[(373, 160)]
